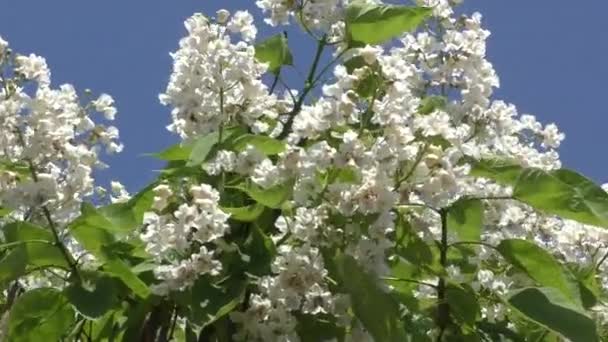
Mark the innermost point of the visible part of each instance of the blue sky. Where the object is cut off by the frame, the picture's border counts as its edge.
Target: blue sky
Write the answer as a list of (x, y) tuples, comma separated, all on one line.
[(550, 55)]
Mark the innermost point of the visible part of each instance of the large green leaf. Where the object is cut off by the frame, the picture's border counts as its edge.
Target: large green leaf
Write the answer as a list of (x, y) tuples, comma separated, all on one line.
[(465, 218), (314, 328), (176, 152), (245, 214), (38, 248), (275, 52), (95, 299), (560, 192), (13, 265), (463, 303), (40, 315), (202, 147), (272, 197), (374, 23), (262, 143), (374, 307), (97, 228), (550, 308), (119, 269), (208, 303), (541, 266)]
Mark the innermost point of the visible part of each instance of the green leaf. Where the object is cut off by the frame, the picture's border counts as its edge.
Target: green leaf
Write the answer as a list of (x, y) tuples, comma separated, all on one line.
[(272, 197), (375, 24), (275, 52), (374, 307), (40, 315), (465, 218), (176, 152), (119, 269), (560, 192), (13, 266), (21, 169), (463, 303), (245, 214), (314, 328), (201, 148), (94, 300), (96, 228), (541, 266), (548, 307), (37, 252), (208, 303), (23, 231), (432, 103), (262, 143), (261, 251)]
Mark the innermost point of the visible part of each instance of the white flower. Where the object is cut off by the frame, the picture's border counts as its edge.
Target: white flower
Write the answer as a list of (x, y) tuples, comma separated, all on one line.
[(222, 16), (33, 67), (105, 105), (119, 192)]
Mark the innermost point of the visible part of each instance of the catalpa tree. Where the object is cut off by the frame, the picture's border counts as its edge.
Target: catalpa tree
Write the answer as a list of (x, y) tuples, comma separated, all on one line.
[(389, 197)]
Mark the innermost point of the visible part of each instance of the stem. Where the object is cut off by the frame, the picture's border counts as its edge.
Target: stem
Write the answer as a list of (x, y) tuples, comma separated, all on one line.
[(479, 243), (409, 281), (443, 308), (47, 215), (599, 264), (17, 243), (414, 166), (308, 86), (275, 82), (325, 68), (220, 138), (173, 324)]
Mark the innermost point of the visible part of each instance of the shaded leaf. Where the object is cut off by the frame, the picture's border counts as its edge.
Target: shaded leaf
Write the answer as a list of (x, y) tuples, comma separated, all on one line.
[(375, 308), (465, 218), (93, 302), (119, 269), (41, 314), (548, 307)]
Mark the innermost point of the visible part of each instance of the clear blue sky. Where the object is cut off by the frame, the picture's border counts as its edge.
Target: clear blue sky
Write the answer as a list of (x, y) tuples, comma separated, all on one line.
[(550, 55)]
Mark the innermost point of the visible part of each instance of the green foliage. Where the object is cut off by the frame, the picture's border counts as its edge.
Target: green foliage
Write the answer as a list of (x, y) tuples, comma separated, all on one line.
[(551, 309), (465, 218), (375, 308), (542, 267), (245, 214), (432, 103), (561, 192), (463, 304), (264, 144), (274, 51), (272, 197), (375, 23), (94, 298), (40, 315), (119, 269)]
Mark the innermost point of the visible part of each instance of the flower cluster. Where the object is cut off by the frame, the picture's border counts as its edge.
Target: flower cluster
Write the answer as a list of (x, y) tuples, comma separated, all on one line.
[(376, 159), (178, 240), (214, 79), (50, 142), (404, 202)]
